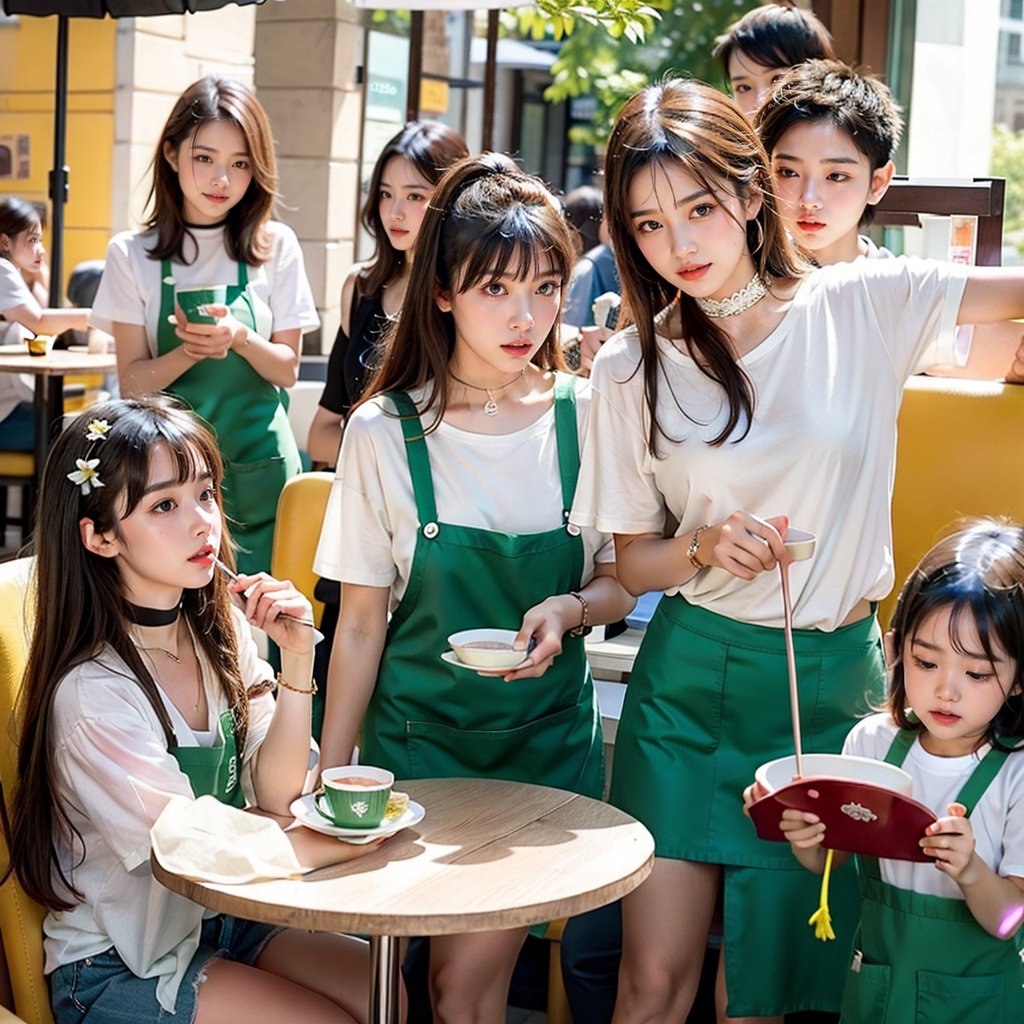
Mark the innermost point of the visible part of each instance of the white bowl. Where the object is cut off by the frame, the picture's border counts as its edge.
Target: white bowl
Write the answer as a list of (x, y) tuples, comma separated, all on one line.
[(468, 645), (800, 544), (778, 773)]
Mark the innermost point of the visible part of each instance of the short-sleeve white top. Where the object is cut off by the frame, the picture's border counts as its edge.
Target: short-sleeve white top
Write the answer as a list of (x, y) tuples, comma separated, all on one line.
[(130, 288), (115, 776), (997, 819), (828, 382), (507, 483), (14, 387)]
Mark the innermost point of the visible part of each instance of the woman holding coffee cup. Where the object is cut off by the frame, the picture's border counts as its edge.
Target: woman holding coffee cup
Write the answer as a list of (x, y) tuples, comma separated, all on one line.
[(213, 192)]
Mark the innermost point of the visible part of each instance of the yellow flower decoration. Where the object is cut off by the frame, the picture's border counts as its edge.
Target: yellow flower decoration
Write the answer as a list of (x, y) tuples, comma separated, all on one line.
[(86, 476), (97, 430)]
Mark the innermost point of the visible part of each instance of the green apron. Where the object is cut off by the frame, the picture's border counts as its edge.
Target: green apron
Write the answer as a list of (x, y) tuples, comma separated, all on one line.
[(249, 420), (924, 959), (708, 702), (214, 771), (427, 718)]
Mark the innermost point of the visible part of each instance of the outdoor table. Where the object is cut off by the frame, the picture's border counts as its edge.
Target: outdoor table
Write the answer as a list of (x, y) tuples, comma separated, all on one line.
[(49, 371), (488, 855)]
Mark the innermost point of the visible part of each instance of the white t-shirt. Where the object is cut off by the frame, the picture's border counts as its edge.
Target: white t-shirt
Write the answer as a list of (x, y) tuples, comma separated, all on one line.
[(507, 483), (130, 288), (14, 387), (828, 383), (114, 776), (997, 819)]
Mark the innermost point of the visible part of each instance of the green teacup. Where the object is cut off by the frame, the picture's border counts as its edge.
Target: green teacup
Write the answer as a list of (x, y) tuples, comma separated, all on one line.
[(354, 796), (193, 302)]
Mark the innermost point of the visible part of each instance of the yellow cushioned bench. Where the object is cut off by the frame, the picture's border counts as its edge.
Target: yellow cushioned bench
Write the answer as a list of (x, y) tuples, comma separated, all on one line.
[(960, 453)]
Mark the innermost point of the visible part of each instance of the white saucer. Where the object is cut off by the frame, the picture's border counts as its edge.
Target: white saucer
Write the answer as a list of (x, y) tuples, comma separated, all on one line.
[(453, 659), (308, 815)]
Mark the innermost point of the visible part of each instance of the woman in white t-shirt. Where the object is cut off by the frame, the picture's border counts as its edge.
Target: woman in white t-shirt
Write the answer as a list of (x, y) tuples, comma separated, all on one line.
[(450, 512), (21, 250), (747, 395), (214, 186), (143, 688)]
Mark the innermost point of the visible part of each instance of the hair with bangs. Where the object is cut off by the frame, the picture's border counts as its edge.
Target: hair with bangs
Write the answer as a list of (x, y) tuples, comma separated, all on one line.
[(830, 91), (17, 216), (245, 236), (691, 126), (431, 147), (776, 35), (78, 609), (488, 219), (978, 574)]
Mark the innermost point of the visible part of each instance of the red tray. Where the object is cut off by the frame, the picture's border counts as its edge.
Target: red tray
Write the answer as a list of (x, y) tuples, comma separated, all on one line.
[(858, 817)]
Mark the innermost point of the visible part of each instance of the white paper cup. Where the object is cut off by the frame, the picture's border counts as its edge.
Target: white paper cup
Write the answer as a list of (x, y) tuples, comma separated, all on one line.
[(775, 774)]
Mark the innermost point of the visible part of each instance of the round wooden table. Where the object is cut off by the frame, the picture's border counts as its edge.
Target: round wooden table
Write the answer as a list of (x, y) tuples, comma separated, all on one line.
[(487, 855)]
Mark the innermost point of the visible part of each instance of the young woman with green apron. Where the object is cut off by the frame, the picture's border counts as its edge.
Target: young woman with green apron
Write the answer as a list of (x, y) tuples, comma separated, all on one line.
[(249, 418), (450, 511), (746, 396), (145, 687), (213, 193)]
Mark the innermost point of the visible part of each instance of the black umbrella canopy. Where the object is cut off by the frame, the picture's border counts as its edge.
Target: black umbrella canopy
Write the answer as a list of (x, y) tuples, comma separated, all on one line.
[(64, 10)]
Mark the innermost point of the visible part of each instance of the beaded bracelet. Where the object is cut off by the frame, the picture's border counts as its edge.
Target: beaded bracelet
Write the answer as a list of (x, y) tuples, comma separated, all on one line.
[(584, 627), (313, 688), (691, 551)]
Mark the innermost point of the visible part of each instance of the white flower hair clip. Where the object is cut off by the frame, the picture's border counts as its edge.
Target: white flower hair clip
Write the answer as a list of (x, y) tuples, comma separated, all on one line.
[(87, 477)]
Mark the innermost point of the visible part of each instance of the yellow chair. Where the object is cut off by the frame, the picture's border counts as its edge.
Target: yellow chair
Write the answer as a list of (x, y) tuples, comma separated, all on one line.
[(300, 513), (959, 454), (21, 920)]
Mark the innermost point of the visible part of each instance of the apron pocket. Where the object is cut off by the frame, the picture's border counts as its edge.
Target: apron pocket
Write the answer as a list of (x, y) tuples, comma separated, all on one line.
[(974, 1000), (553, 749), (866, 995), (251, 490)]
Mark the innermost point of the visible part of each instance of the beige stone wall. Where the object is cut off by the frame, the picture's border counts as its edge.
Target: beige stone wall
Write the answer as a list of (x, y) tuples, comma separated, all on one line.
[(157, 58), (306, 59)]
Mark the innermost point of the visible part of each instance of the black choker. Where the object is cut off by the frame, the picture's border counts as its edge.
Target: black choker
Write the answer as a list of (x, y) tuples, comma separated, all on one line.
[(204, 227), (151, 616)]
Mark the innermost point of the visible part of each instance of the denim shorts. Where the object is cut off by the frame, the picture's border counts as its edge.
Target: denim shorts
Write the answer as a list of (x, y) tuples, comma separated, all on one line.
[(102, 988)]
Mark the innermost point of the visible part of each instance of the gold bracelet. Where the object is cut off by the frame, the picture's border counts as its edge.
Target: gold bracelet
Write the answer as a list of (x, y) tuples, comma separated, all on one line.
[(313, 688), (691, 551), (584, 627)]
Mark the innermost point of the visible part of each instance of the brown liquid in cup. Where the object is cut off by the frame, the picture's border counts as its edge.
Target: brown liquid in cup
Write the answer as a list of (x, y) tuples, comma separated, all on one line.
[(488, 645), (358, 780)]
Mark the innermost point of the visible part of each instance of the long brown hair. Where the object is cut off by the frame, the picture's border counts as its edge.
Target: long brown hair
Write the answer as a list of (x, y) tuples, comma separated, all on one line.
[(683, 122), (977, 572), (245, 235), (80, 610), (431, 147), (487, 218)]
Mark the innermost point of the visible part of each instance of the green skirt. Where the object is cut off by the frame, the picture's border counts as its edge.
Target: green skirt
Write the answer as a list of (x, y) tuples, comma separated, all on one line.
[(707, 703)]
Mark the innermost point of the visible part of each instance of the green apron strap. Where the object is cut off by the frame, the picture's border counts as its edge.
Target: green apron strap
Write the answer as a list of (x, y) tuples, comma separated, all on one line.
[(567, 437), (419, 458), (900, 747), (980, 778)]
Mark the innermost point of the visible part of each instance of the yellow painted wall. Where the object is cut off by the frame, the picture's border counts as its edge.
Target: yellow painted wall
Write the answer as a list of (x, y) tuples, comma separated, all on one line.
[(27, 68)]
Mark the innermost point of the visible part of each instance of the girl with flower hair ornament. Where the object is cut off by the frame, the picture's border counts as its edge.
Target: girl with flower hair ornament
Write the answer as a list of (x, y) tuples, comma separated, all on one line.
[(143, 685)]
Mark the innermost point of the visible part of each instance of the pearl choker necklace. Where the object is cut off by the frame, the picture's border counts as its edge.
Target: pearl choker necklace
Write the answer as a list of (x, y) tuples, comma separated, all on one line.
[(739, 302)]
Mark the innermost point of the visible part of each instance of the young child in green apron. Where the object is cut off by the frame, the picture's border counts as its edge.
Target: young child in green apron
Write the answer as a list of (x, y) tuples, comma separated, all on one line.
[(213, 193), (143, 685), (943, 941), (746, 394), (450, 511)]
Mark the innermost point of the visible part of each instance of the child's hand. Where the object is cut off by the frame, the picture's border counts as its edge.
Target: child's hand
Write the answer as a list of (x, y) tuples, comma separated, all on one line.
[(274, 606), (754, 792), (803, 829), (951, 842)]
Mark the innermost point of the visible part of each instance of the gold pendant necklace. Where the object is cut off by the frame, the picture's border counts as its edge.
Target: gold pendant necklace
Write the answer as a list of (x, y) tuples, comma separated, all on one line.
[(490, 406), (177, 661)]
